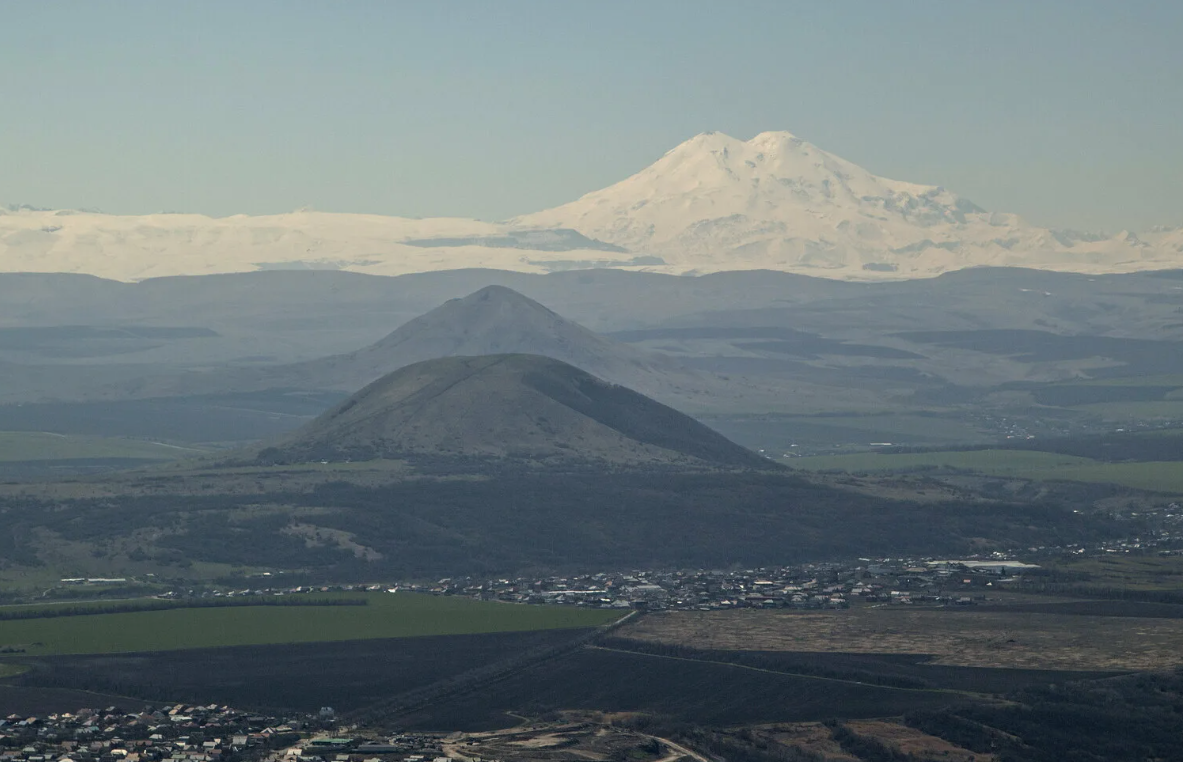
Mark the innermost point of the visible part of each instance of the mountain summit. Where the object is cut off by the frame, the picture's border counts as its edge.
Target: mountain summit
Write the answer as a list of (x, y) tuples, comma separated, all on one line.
[(713, 203), (714, 193), (509, 408)]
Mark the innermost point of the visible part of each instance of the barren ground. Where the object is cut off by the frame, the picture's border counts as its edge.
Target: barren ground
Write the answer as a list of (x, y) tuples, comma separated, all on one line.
[(953, 638)]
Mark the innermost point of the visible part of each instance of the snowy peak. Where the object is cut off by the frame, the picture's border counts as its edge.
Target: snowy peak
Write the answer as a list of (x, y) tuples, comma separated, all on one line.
[(714, 192)]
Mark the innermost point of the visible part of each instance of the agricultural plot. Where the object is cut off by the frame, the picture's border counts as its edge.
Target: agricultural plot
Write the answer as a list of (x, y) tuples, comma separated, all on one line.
[(18, 446), (1155, 476), (697, 692), (347, 675), (995, 462), (1141, 573), (386, 616), (1001, 639), (1169, 409)]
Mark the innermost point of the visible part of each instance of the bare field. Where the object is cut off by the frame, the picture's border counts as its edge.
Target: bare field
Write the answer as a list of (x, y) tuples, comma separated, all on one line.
[(953, 638), (917, 743), (811, 738), (573, 742)]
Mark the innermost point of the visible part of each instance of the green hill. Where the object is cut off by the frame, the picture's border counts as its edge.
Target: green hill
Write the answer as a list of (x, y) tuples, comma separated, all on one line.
[(510, 409)]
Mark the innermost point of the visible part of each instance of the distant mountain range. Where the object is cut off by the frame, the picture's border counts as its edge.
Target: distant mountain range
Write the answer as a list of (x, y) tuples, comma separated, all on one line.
[(712, 204), (493, 320)]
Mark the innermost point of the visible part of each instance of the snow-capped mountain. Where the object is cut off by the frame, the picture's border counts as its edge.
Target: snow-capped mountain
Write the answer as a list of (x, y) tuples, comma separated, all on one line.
[(779, 202), (713, 203)]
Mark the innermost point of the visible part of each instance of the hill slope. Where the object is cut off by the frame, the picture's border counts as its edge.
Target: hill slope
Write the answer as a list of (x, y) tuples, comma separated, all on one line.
[(523, 408)]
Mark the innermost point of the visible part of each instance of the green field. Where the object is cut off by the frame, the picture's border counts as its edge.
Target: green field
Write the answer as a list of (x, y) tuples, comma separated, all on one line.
[(999, 462), (1170, 410), (387, 616), (1155, 573), (1018, 464), (16, 446), (1156, 477), (1170, 379)]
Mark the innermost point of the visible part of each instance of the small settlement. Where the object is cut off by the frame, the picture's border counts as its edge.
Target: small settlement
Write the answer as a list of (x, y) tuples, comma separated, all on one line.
[(165, 734), (181, 733), (807, 586)]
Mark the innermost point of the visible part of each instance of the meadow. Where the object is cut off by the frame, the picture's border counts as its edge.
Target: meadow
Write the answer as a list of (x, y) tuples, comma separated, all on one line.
[(1142, 573), (1000, 462), (1169, 409), (16, 446), (347, 675), (386, 615), (1160, 476)]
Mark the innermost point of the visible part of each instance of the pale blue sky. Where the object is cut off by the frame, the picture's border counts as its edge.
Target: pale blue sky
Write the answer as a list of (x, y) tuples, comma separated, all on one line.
[(1069, 112)]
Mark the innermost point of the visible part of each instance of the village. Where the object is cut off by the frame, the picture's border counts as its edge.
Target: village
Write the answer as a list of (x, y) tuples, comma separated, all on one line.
[(181, 733), (176, 733), (812, 586), (824, 585), (808, 586), (832, 585)]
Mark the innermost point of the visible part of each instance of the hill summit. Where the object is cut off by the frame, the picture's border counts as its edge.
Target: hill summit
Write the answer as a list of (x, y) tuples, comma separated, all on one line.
[(510, 408), (495, 320)]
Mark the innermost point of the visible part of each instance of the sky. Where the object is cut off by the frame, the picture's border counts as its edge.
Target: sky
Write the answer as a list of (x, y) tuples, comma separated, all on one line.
[(1068, 112)]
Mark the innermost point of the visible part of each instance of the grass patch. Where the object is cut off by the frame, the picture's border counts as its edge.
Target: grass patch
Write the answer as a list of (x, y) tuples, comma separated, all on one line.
[(1168, 379), (1019, 464), (386, 616), (1159, 573), (1170, 410), (16, 446), (999, 462), (1156, 477), (347, 675)]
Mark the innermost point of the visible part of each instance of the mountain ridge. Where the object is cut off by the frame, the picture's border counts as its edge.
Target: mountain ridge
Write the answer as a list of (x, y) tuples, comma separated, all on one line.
[(713, 203)]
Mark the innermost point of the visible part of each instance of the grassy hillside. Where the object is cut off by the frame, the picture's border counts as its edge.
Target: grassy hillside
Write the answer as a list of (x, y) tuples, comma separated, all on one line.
[(525, 408)]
